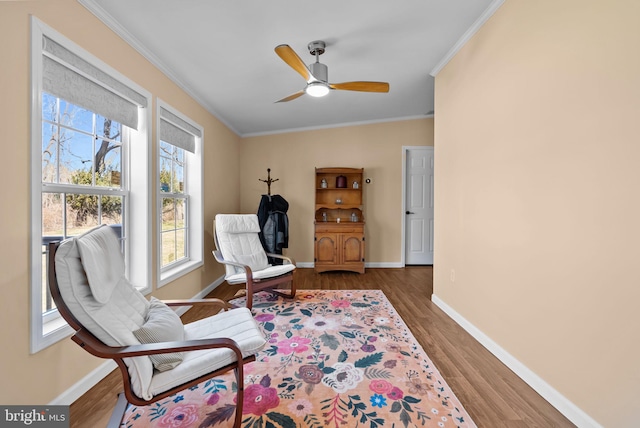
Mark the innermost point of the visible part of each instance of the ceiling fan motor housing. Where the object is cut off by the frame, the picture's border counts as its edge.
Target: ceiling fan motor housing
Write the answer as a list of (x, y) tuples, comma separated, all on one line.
[(319, 71)]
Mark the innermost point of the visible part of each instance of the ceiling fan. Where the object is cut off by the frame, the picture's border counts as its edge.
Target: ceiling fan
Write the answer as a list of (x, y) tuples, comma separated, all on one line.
[(316, 74)]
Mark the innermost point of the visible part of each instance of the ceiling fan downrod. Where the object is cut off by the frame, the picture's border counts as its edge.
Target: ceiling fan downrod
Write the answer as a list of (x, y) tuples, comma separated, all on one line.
[(319, 70)]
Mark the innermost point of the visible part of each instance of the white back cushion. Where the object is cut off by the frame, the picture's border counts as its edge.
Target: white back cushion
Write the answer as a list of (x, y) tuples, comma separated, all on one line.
[(239, 241), (112, 322), (102, 261)]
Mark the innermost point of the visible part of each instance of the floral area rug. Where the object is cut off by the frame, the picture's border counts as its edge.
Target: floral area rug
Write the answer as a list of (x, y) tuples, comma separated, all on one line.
[(333, 359)]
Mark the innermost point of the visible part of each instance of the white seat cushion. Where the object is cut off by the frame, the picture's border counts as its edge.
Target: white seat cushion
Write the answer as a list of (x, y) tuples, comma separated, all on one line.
[(237, 324), (270, 272)]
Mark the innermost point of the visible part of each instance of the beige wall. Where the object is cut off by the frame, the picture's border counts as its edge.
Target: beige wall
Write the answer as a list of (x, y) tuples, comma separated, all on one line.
[(536, 197), (293, 158), (39, 378)]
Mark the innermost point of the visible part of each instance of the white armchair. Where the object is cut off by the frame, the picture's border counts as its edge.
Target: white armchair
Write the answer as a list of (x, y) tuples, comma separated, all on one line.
[(157, 355), (238, 247)]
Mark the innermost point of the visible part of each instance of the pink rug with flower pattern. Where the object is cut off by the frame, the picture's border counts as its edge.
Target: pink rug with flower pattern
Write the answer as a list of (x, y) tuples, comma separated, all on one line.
[(333, 359)]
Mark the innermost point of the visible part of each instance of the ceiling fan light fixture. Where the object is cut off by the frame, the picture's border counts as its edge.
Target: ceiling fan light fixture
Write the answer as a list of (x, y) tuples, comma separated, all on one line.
[(317, 89)]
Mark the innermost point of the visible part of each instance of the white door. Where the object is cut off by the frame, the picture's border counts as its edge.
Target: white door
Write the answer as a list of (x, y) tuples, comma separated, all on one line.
[(419, 206)]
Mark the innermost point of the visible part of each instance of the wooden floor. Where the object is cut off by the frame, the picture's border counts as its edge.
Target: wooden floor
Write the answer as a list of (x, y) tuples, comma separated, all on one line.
[(493, 395)]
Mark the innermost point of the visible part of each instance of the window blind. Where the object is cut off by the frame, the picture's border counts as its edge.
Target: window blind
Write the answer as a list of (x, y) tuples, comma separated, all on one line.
[(178, 132), (68, 76)]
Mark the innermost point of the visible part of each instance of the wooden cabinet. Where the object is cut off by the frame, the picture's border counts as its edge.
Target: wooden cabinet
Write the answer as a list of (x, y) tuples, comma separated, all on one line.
[(339, 249), (339, 220)]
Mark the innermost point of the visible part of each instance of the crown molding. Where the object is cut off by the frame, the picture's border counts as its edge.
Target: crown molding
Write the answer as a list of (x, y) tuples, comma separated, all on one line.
[(488, 13), (93, 7), (336, 125)]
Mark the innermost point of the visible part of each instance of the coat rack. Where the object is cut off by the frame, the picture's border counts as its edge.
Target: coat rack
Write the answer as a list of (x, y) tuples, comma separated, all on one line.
[(269, 180)]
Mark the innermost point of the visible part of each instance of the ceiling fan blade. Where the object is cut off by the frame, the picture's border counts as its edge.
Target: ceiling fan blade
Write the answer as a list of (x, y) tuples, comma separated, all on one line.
[(292, 96), (361, 86), (289, 56)]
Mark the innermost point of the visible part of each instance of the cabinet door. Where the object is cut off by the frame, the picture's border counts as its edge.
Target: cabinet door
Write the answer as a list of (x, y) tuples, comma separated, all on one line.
[(326, 248), (352, 248)]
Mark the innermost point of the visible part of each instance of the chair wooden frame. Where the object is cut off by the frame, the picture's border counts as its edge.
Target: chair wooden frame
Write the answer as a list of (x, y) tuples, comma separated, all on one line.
[(254, 285), (96, 347)]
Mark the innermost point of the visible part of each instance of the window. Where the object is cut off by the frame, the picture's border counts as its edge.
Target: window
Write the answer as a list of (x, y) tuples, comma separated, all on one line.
[(88, 126), (180, 228), (175, 203), (82, 176)]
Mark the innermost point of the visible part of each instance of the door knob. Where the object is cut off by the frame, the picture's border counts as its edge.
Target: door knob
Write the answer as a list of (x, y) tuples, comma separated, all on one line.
[(409, 212)]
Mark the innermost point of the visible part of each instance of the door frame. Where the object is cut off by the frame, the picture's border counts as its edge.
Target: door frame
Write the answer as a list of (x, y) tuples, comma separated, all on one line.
[(403, 207)]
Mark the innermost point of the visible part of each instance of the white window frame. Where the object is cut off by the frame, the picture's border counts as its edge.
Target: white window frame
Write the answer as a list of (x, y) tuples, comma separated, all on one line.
[(51, 328), (193, 190)]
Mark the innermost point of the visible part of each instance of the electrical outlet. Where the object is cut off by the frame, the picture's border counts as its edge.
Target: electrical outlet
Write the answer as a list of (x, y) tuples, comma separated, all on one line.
[(453, 275)]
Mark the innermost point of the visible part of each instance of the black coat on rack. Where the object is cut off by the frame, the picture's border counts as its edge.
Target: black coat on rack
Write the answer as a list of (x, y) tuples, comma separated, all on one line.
[(274, 225)]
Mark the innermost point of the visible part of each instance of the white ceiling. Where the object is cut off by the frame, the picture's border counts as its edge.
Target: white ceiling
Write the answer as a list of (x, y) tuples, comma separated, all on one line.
[(221, 53)]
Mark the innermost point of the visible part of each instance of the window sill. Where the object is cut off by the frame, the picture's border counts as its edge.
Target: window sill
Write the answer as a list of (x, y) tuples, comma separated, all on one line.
[(52, 332), (176, 272)]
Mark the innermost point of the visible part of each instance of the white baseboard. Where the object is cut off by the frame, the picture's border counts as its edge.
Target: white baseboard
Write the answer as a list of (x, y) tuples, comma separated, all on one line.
[(89, 381), (383, 265), (85, 384), (555, 398), (366, 265), (305, 264)]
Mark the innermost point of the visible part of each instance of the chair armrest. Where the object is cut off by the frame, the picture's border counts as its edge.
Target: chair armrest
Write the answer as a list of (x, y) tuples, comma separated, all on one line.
[(218, 256), (95, 347), (280, 256), (199, 302)]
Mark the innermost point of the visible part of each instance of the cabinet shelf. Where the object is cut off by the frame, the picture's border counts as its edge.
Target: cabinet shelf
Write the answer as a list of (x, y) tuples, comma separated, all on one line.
[(343, 223), (338, 207), (324, 189)]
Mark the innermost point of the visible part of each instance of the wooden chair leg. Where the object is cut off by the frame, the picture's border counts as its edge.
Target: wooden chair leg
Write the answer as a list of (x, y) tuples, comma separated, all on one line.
[(249, 300), (249, 286), (250, 290), (239, 395), (293, 286), (289, 295)]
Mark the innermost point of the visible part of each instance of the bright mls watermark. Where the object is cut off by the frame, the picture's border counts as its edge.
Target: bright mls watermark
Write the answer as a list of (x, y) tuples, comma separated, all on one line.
[(34, 416)]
